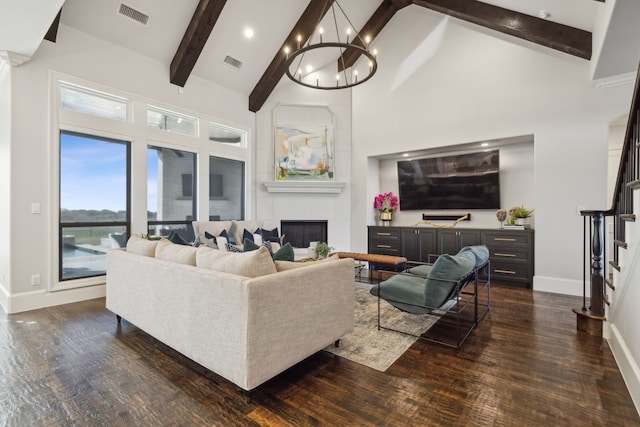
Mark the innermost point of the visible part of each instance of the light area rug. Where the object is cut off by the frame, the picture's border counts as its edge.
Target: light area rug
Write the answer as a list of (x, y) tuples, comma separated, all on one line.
[(375, 348)]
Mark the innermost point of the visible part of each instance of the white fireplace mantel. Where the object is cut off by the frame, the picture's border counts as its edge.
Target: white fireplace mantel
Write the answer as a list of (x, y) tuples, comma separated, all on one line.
[(304, 187)]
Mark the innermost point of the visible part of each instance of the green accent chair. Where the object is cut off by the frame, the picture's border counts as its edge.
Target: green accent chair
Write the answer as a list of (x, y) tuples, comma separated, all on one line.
[(438, 288)]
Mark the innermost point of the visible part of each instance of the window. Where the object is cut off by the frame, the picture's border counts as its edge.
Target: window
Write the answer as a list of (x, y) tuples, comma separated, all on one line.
[(226, 188), (227, 135), (171, 192), (158, 118), (92, 102), (94, 202)]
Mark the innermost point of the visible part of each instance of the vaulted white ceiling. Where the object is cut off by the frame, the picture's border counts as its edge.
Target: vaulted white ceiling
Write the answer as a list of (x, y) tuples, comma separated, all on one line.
[(24, 23)]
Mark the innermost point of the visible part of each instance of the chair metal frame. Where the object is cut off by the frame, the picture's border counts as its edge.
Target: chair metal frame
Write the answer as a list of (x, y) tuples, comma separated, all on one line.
[(452, 309)]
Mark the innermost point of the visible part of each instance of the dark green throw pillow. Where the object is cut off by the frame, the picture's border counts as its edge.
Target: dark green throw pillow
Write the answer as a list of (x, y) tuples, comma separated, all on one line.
[(271, 235), (175, 238), (285, 253), (249, 245)]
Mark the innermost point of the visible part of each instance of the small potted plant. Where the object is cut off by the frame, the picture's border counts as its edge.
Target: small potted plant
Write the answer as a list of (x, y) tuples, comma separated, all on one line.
[(323, 249), (519, 215)]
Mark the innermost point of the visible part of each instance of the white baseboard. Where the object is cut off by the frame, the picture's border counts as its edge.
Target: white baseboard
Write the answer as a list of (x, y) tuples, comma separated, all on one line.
[(4, 298), (26, 301), (626, 364), (558, 286)]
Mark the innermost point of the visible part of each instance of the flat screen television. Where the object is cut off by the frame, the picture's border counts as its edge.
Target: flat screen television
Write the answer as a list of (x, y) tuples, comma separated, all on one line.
[(462, 181)]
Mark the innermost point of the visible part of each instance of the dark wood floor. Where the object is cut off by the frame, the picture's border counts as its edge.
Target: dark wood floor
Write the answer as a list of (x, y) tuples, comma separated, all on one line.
[(524, 365)]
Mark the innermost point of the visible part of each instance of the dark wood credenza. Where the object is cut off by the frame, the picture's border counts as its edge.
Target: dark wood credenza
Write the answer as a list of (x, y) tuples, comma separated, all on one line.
[(511, 251)]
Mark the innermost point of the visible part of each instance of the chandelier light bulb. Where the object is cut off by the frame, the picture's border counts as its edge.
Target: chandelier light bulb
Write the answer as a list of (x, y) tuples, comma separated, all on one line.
[(299, 40), (367, 40), (320, 31)]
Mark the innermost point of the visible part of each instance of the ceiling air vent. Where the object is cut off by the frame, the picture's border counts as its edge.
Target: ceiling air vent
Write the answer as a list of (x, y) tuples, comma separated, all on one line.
[(136, 15), (233, 62)]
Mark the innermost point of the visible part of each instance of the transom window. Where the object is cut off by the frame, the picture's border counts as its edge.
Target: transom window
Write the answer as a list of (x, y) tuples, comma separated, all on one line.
[(170, 121), (93, 102)]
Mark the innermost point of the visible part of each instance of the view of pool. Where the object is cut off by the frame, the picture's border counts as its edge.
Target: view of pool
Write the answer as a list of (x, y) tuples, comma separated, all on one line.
[(75, 251)]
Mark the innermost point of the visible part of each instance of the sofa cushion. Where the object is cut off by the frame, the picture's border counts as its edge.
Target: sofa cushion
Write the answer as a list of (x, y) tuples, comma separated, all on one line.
[(237, 229), (249, 264), (142, 246), (481, 252), (212, 227), (176, 253)]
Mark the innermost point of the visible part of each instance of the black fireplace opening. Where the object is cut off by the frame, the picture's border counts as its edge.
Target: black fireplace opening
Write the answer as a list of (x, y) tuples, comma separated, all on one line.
[(299, 233)]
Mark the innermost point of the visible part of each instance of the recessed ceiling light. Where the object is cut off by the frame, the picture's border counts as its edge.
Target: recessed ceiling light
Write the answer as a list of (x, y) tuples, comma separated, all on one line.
[(248, 33), (405, 155), (484, 144)]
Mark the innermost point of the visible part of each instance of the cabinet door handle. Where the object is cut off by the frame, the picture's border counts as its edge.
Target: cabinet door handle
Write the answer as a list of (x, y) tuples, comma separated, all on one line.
[(383, 246), (504, 271), (505, 255), (504, 239), (383, 234)]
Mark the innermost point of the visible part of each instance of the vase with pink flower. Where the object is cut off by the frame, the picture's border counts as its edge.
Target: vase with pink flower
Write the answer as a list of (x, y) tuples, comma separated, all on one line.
[(385, 204)]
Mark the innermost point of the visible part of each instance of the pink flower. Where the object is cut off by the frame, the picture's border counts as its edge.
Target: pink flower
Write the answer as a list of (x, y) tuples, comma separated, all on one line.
[(385, 202)]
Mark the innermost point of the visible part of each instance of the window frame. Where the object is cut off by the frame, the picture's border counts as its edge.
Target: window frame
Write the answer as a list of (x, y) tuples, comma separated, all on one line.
[(140, 135), (194, 188)]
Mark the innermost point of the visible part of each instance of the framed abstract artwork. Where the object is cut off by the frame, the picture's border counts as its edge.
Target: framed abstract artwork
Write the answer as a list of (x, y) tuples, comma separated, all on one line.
[(304, 153)]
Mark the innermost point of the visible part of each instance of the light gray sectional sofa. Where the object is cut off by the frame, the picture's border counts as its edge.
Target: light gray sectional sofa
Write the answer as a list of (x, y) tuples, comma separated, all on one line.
[(233, 313)]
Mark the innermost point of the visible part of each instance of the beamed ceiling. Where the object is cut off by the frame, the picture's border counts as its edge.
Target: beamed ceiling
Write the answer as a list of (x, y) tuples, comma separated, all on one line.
[(534, 29), (203, 26)]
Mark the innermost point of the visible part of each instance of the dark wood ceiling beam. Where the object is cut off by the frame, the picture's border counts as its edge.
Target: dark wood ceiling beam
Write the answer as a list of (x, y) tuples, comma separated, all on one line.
[(305, 27), (546, 33), (195, 37), (371, 28), (52, 32)]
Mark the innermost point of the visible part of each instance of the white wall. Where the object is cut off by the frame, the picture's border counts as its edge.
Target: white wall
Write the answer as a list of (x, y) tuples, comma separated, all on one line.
[(623, 315), (294, 104), (442, 83), (5, 172), (32, 137)]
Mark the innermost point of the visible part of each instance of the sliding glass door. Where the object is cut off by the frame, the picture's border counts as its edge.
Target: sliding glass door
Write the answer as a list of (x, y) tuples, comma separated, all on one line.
[(94, 202)]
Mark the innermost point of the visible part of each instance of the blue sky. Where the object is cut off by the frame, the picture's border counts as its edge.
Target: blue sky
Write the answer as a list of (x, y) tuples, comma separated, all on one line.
[(93, 174)]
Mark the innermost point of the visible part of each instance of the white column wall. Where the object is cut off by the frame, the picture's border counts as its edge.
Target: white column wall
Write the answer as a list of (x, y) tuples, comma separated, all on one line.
[(5, 175), (335, 208), (442, 83), (86, 57)]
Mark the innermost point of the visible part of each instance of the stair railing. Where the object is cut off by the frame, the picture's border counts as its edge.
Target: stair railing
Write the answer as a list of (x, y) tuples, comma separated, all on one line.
[(591, 316)]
